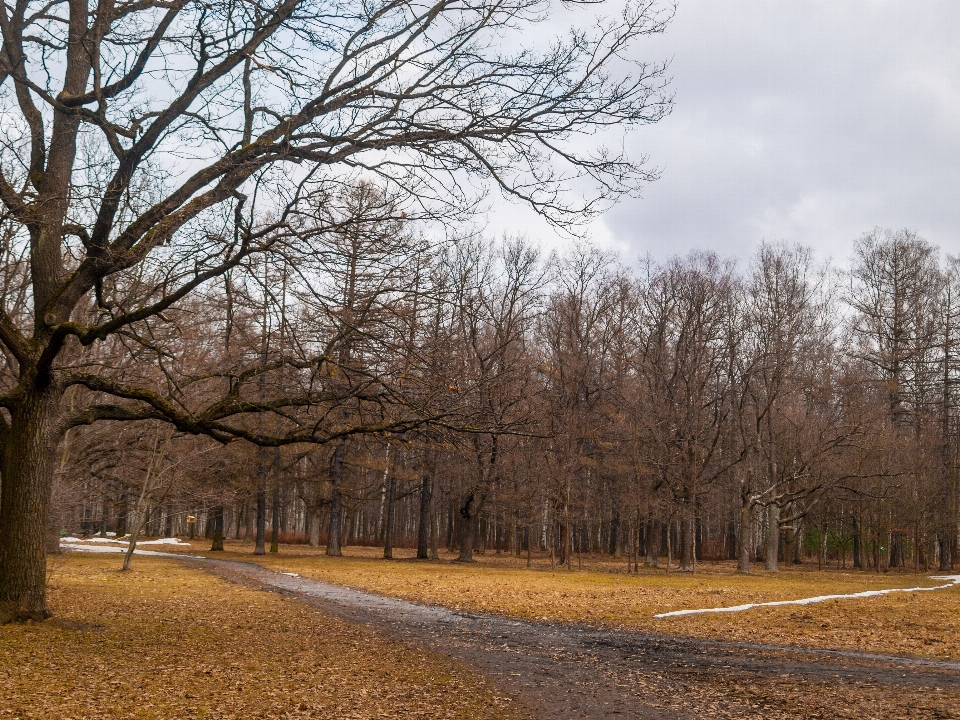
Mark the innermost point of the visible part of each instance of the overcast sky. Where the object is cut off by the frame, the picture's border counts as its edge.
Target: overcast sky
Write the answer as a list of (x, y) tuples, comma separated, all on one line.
[(809, 121)]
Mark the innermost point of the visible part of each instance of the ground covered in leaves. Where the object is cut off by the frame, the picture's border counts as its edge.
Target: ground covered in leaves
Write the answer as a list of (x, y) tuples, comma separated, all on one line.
[(925, 624), (167, 641)]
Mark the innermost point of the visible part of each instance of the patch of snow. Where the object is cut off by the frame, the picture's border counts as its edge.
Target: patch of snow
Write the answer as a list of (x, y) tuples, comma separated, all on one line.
[(954, 580), (125, 541), (117, 549), (291, 574)]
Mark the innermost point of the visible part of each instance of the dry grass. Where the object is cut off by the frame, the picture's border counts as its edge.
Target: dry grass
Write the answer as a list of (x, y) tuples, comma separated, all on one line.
[(920, 624), (165, 641)]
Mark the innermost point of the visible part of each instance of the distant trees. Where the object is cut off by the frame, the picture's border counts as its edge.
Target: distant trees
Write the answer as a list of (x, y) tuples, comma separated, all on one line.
[(696, 409)]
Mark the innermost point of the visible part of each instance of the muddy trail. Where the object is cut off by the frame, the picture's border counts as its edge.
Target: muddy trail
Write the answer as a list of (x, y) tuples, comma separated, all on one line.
[(569, 671)]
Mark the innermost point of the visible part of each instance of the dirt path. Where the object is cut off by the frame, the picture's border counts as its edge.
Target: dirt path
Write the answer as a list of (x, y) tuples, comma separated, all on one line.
[(568, 671)]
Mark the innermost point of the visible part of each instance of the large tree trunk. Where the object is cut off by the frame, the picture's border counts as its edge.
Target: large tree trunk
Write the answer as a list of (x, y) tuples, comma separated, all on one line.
[(651, 543), (614, 544), (122, 515), (28, 466), (275, 520), (773, 536), (564, 543), (217, 529), (391, 517), (336, 503), (746, 536), (943, 545), (259, 547), (425, 525), (857, 545), (314, 512), (469, 511), (686, 540)]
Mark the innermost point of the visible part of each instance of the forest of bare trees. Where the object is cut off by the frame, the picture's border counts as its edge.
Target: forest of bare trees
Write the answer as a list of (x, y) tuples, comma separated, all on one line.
[(773, 410), (240, 299)]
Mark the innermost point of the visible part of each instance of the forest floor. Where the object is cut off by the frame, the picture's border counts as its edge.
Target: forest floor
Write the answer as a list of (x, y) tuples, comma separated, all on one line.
[(168, 641), (584, 643)]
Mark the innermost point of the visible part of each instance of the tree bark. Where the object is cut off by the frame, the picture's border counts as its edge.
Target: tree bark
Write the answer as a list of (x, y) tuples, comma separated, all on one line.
[(391, 517), (686, 541), (122, 515), (746, 536), (652, 543), (275, 518), (857, 545), (943, 545), (314, 512), (217, 529), (469, 511), (275, 522), (28, 467), (425, 524), (564, 543), (773, 536), (334, 538), (259, 547), (614, 545)]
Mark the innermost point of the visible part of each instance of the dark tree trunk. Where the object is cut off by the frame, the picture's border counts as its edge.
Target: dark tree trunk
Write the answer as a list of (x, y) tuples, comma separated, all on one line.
[(652, 543), (857, 548), (275, 519), (798, 544), (313, 514), (773, 537), (698, 540), (564, 554), (469, 511), (30, 447), (481, 536), (260, 545), (122, 515), (425, 523), (451, 521), (334, 537), (746, 536), (217, 529), (614, 546), (686, 541), (943, 545), (391, 517)]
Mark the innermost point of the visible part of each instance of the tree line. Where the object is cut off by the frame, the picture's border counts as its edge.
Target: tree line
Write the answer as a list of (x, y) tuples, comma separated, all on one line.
[(772, 410)]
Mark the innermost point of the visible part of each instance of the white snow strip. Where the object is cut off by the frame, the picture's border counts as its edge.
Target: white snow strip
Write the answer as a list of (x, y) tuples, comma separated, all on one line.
[(121, 541), (291, 574), (116, 549), (954, 580)]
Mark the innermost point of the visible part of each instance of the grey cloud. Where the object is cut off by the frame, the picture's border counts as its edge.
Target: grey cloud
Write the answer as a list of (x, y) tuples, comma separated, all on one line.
[(806, 121)]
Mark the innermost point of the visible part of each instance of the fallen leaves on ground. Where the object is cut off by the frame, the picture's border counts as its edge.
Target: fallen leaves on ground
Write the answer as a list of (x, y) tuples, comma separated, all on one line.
[(166, 641)]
